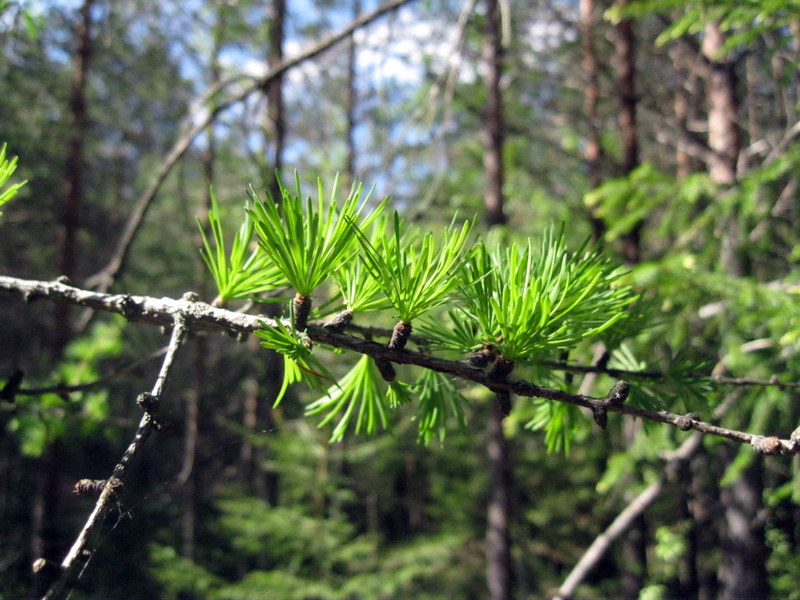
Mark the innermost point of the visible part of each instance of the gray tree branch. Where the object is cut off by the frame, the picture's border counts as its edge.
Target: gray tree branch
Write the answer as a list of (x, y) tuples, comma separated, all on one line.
[(202, 316), (83, 547)]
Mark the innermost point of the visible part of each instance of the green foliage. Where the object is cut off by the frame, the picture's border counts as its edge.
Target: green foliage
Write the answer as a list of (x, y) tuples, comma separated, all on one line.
[(360, 396), (178, 576), (245, 272), (300, 364), (534, 300), (7, 168), (40, 420), (439, 401), (416, 276), (624, 202), (783, 564), (746, 20), (308, 242), (560, 423), (360, 292)]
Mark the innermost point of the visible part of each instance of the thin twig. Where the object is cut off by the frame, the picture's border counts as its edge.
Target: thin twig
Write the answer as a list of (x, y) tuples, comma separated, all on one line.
[(83, 547), (661, 375), (63, 388), (674, 461), (199, 315)]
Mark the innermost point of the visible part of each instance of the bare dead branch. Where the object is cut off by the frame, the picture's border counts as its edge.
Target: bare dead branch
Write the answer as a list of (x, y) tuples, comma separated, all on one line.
[(83, 547), (202, 316)]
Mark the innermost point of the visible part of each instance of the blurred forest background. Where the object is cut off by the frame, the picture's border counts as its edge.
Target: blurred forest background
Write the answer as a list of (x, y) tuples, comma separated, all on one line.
[(666, 130)]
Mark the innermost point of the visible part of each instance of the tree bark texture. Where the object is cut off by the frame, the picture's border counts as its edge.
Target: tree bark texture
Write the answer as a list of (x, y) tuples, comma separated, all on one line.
[(352, 101), (45, 538), (493, 125), (744, 574), (626, 119), (499, 567), (276, 126), (743, 571), (724, 137)]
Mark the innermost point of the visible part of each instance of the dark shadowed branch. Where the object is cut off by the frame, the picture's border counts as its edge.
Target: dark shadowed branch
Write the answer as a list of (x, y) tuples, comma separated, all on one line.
[(83, 547)]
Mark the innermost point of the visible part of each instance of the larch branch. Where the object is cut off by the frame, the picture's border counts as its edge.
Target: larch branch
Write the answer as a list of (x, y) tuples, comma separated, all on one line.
[(202, 316)]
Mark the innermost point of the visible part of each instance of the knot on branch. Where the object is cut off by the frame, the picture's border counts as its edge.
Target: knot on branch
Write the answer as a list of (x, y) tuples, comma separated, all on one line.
[(45, 569), (504, 402), (10, 389), (129, 306), (339, 322), (301, 308), (766, 445), (482, 357), (687, 421), (147, 402), (501, 368), (619, 393), (600, 415), (386, 369), (93, 488)]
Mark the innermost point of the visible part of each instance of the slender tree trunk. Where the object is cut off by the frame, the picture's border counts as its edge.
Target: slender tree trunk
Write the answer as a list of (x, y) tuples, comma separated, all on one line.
[(274, 91), (724, 137), (743, 574), (593, 153), (743, 571), (46, 525), (499, 566), (626, 93), (493, 125), (352, 100)]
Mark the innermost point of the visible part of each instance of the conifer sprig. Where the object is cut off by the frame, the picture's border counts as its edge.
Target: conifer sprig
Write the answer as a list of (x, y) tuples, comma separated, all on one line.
[(416, 276), (7, 168), (308, 241), (243, 273), (529, 300)]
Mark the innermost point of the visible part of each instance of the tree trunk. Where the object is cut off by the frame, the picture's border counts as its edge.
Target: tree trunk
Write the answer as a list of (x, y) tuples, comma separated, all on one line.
[(626, 94), (499, 567), (44, 540), (352, 100), (724, 138), (743, 574), (276, 126), (493, 125), (593, 153), (743, 571)]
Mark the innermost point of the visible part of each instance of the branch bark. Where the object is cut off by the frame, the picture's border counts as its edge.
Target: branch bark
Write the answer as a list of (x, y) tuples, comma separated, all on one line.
[(202, 316), (83, 547)]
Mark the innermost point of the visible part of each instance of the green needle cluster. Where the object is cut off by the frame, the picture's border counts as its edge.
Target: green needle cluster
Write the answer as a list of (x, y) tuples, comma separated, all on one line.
[(529, 300), (309, 241), (7, 168), (416, 276), (502, 306), (243, 273)]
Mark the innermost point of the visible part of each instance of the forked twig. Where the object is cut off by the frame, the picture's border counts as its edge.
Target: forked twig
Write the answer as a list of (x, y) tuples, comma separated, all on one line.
[(82, 548)]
